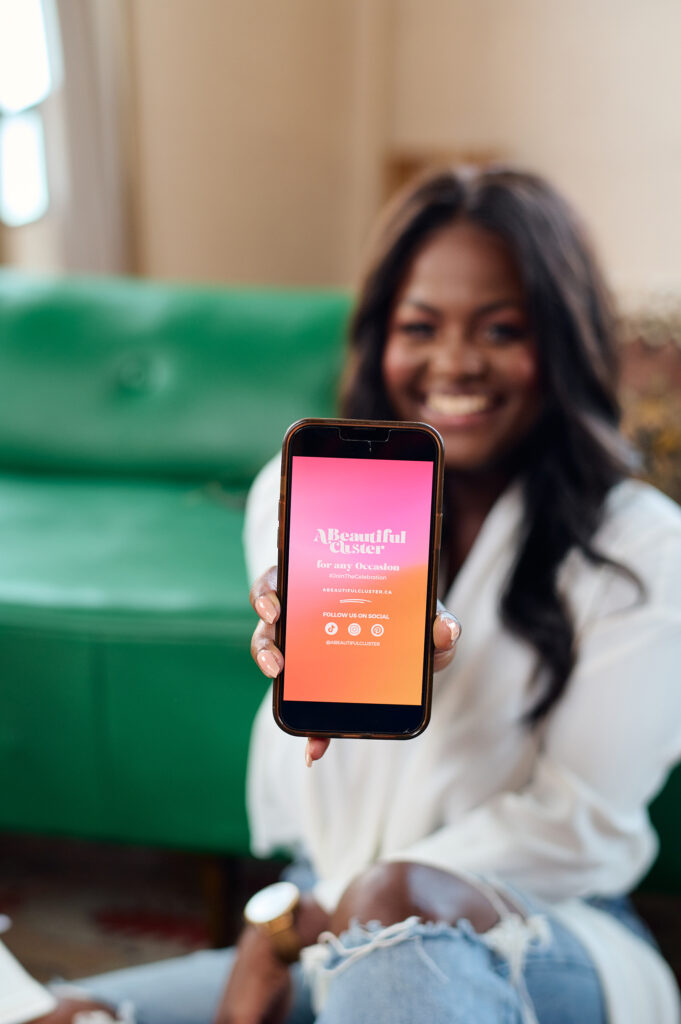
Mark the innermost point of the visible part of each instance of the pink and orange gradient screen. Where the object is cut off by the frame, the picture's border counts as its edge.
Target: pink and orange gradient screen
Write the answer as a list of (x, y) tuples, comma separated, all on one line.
[(357, 581)]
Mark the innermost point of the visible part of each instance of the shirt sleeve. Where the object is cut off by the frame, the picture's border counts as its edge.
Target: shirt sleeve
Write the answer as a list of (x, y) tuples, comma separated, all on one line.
[(580, 826), (260, 523)]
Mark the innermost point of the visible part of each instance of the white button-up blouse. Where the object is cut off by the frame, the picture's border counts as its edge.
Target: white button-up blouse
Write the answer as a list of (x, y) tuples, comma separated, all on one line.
[(560, 811)]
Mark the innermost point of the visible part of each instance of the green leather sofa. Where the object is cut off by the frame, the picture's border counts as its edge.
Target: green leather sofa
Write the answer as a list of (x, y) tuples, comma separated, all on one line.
[(133, 418)]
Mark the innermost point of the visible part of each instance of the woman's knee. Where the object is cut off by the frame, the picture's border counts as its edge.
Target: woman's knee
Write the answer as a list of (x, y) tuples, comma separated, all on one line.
[(392, 892), (413, 971)]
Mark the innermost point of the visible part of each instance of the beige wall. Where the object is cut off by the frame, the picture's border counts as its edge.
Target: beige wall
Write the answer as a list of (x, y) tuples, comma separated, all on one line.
[(250, 138), (587, 92), (34, 246), (263, 125)]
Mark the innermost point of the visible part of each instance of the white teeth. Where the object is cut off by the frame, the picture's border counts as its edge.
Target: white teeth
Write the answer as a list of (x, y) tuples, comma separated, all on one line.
[(458, 405)]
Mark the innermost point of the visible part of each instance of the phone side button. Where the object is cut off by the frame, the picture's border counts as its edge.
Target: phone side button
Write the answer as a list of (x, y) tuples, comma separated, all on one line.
[(438, 530), (280, 524)]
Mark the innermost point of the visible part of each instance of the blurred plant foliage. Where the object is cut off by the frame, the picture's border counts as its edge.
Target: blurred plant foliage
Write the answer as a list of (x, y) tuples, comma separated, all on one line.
[(651, 389)]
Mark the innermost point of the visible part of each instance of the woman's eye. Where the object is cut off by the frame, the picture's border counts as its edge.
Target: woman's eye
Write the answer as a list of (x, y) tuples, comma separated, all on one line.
[(499, 334), (417, 329)]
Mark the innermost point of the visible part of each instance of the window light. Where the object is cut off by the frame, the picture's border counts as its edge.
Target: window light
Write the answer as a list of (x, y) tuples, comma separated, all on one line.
[(23, 176), (25, 78)]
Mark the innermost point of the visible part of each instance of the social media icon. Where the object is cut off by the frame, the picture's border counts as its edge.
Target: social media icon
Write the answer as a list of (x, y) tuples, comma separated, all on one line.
[(377, 629), (354, 629), (331, 628)]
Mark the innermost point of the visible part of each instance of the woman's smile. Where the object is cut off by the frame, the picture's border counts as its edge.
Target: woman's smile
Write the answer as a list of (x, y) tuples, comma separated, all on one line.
[(462, 409)]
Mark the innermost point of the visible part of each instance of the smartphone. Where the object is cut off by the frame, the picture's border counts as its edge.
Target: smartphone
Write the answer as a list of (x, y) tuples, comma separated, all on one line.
[(360, 516)]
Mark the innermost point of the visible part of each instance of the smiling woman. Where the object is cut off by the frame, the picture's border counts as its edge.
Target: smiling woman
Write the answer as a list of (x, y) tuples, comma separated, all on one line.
[(478, 872)]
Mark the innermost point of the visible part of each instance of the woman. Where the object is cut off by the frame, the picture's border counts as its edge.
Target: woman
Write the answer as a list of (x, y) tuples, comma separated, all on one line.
[(492, 852)]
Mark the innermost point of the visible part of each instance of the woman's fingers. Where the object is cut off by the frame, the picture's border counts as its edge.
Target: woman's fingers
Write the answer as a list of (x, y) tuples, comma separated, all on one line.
[(446, 632), (263, 597), (316, 748), (266, 655)]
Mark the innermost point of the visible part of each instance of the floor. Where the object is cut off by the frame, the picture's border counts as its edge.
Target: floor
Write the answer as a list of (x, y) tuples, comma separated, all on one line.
[(81, 908)]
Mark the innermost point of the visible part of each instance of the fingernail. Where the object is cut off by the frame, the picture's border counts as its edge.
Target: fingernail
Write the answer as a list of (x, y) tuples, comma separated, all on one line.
[(266, 608), (308, 755), (454, 627), (268, 663)]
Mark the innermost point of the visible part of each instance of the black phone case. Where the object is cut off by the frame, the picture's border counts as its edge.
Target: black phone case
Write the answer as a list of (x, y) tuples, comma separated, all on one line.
[(431, 606)]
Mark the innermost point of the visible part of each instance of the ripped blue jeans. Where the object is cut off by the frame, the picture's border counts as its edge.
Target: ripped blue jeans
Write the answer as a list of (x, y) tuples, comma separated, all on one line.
[(408, 972)]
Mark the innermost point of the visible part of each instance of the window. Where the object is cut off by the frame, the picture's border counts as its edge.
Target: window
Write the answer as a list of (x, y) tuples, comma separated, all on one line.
[(27, 76)]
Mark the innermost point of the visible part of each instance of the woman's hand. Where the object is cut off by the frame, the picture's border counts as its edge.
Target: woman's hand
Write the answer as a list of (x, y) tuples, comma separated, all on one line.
[(66, 1010), (263, 597), (259, 986), (265, 602)]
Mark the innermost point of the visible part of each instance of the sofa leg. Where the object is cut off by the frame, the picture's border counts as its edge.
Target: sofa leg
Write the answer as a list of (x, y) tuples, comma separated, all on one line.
[(223, 884)]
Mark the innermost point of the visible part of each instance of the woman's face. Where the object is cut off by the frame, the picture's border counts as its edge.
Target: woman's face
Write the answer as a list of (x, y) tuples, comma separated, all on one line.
[(460, 353)]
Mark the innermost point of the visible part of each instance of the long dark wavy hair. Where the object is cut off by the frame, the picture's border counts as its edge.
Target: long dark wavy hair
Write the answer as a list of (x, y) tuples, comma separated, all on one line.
[(576, 453)]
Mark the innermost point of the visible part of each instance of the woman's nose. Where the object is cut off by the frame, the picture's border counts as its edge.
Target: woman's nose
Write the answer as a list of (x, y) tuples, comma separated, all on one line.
[(457, 357)]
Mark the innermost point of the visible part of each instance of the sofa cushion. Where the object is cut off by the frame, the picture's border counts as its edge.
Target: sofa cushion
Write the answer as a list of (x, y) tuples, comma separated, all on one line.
[(122, 557)]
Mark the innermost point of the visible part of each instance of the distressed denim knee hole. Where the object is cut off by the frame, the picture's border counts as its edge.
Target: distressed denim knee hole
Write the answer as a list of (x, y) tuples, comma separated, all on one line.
[(442, 972)]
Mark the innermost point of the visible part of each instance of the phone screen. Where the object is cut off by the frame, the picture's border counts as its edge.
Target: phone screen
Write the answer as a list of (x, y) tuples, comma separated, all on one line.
[(358, 556)]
